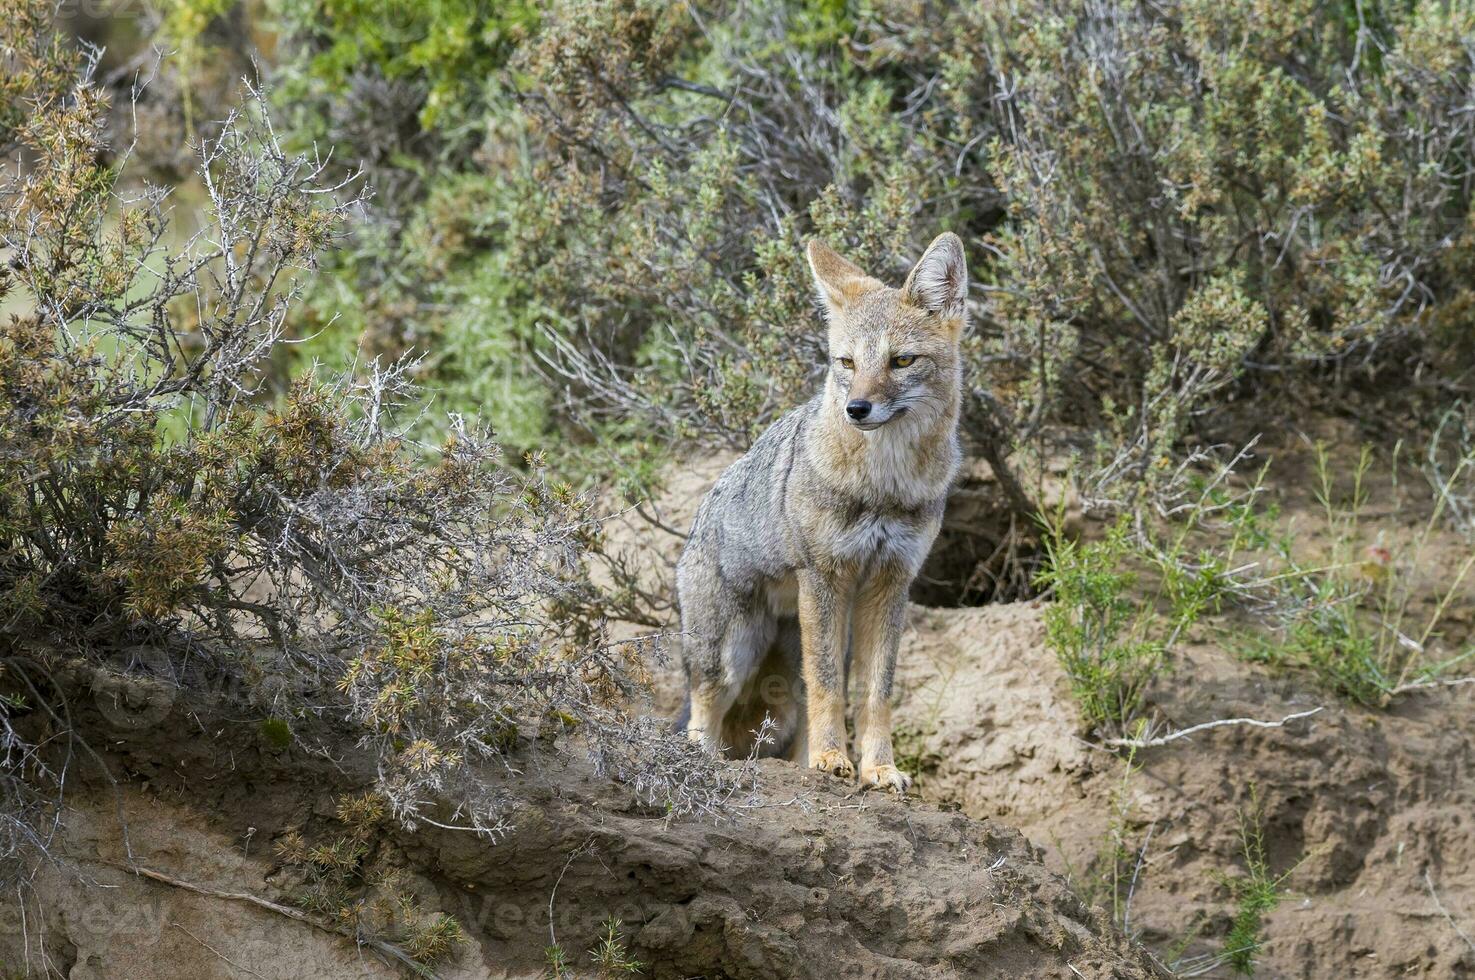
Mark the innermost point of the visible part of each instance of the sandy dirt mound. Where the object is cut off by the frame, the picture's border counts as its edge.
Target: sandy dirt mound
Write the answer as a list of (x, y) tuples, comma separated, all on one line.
[(89, 919), (981, 711), (1363, 804), (816, 883), (809, 880), (1372, 809)]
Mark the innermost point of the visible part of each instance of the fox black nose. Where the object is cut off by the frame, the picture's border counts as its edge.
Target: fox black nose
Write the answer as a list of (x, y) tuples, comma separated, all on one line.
[(858, 409)]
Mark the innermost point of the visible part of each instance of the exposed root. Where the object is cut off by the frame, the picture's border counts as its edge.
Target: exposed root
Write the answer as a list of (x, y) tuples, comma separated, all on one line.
[(1429, 883), (388, 950)]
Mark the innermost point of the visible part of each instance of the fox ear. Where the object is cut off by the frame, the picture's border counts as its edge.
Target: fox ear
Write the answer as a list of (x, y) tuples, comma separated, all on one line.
[(939, 281), (840, 282)]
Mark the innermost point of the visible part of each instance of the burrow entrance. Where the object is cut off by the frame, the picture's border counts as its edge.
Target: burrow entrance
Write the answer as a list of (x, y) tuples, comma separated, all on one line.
[(984, 552)]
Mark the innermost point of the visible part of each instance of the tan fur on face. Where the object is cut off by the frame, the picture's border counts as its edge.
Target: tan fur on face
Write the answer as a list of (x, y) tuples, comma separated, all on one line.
[(912, 456)]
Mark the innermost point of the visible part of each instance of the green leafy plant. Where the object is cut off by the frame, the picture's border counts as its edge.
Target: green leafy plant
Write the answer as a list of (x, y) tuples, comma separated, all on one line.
[(1354, 618), (444, 47), (610, 954), (610, 957), (557, 961), (1101, 634), (915, 754), (1342, 601), (1255, 895)]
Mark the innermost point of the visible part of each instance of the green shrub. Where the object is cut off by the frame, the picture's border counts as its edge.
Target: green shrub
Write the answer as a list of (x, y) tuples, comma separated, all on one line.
[(1362, 608), (154, 495), (1099, 630), (1256, 894), (634, 238), (610, 957), (1355, 615), (1167, 206), (1207, 191), (443, 47)]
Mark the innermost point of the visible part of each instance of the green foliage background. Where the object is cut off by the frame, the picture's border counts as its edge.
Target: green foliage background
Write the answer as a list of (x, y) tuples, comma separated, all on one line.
[(1186, 222), (1166, 206)]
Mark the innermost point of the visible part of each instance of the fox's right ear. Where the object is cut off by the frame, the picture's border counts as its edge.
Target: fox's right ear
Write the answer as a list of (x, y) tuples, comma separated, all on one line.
[(840, 282)]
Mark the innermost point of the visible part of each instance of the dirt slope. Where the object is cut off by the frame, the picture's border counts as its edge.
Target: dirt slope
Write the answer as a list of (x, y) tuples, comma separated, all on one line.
[(1375, 810), (808, 881), (1372, 812), (816, 883), (1367, 802)]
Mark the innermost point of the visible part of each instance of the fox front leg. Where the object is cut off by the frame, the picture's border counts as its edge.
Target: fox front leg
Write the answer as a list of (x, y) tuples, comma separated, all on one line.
[(824, 625), (880, 614)]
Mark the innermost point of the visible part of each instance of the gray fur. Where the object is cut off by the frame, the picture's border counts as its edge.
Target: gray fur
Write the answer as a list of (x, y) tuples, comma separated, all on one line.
[(844, 513)]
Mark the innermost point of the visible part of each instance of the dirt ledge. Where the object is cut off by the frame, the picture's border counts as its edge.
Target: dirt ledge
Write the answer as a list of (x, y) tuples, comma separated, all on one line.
[(813, 881)]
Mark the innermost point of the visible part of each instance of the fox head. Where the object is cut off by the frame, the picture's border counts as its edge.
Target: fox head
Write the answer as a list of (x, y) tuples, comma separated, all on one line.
[(894, 352)]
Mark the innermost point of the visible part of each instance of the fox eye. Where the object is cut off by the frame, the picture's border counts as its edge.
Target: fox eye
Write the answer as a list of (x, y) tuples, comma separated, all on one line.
[(847, 363), (903, 360)]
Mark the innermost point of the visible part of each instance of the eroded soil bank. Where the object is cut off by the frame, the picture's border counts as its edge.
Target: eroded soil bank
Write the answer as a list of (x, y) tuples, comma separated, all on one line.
[(992, 871), (174, 864), (812, 881), (1370, 813)]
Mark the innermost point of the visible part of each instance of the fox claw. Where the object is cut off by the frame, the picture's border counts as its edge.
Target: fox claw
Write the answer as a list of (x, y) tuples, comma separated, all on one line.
[(886, 777), (834, 762)]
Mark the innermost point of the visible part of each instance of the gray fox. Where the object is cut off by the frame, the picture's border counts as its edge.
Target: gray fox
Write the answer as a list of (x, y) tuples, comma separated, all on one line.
[(800, 557)]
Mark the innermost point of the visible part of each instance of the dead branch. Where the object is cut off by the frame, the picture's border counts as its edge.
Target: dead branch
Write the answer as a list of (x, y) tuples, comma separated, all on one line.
[(1429, 883), (388, 950), (1431, 684), (218, 953), (1147, 743)]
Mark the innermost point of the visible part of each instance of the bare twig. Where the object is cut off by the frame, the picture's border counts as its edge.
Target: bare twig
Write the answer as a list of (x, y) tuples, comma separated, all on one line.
[(583, 848), (388, 950), (1147, 743), (1136, 873), (1429, 883), (1431, 684), (223, 957)]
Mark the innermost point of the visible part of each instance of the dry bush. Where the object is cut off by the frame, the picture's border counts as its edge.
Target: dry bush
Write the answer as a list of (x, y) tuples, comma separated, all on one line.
[(1197, 200), (663, 233), (625, 202), (156, 496), (1168, 206)]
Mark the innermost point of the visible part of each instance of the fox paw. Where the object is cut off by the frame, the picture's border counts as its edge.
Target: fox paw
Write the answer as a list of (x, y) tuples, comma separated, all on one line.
[(700, 738), (834, 762), (885, 777)]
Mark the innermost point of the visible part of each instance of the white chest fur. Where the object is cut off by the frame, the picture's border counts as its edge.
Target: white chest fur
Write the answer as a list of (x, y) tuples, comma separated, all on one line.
[(874, 536), (909, 462), (893, 471)]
